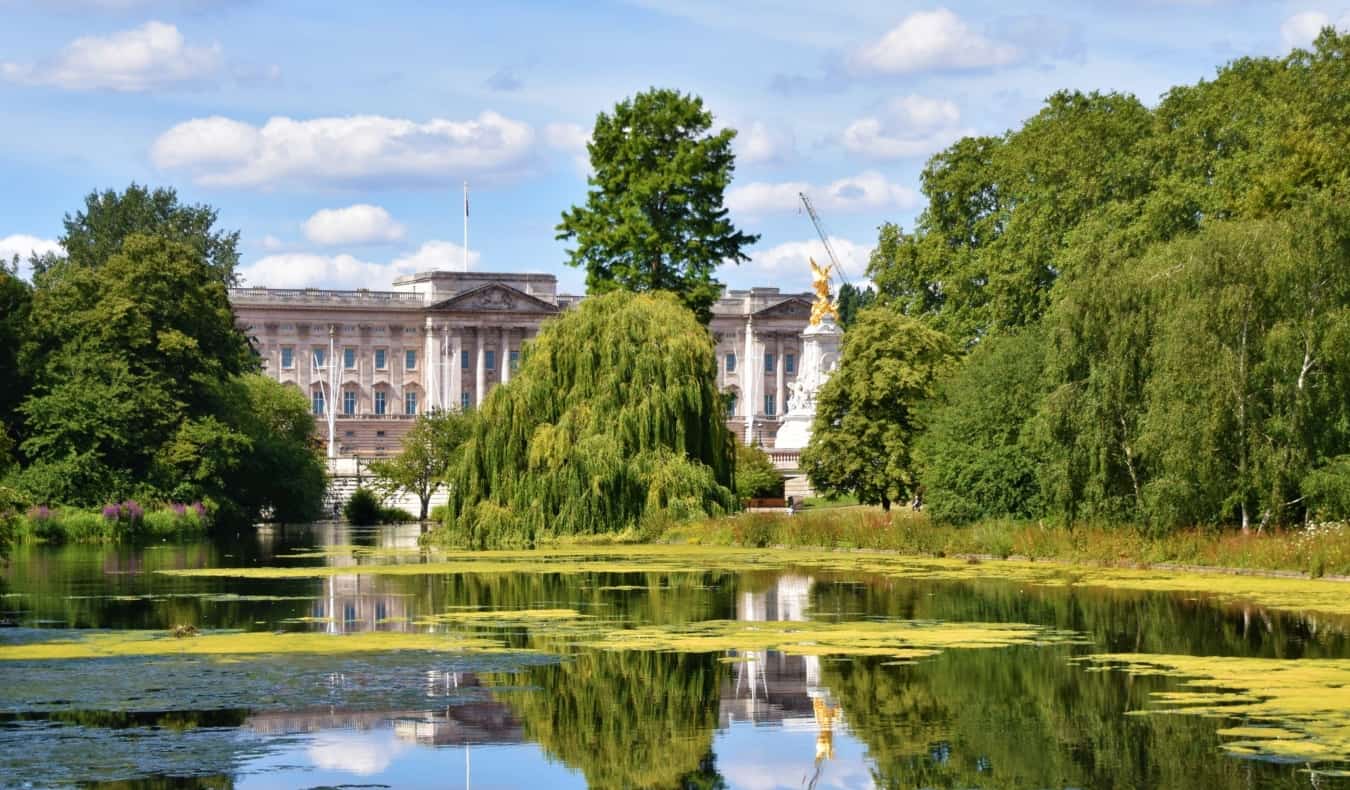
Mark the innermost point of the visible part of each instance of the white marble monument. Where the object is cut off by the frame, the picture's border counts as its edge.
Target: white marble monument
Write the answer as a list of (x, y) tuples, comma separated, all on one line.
[(820, 356)]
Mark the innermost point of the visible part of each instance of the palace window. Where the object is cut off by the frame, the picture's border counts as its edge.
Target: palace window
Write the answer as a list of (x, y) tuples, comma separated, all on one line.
[(320, 357), (464, 401), (769, 410), (790, 363), (349, 402), (410, 360), (491, 359), (318, 403), (768, 363), (349, 358), (287, 358), (731, 363), (379, 402), (464, 360), (410, 402), (731, 405), (515, 360), (380, 359)]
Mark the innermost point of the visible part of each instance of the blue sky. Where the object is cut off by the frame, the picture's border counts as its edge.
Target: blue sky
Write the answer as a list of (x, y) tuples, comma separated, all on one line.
[(336, 136)]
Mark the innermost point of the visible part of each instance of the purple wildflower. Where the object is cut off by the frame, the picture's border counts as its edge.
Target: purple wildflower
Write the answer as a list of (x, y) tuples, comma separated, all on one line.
[(178, 508), (132, 511), (39, 513), (111, 512), (200, 508)]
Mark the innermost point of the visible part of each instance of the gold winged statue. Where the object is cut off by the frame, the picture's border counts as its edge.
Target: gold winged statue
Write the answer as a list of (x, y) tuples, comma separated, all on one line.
[(820, 282)]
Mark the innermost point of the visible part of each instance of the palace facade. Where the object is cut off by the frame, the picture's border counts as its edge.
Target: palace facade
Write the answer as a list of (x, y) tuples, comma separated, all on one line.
[(443, 340)]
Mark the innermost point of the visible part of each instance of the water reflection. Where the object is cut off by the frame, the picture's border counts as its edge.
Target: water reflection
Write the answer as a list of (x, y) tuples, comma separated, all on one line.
[(558, 717)]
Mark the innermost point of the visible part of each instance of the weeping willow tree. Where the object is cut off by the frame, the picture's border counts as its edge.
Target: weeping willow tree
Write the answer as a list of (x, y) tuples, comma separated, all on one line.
[(614, 421)]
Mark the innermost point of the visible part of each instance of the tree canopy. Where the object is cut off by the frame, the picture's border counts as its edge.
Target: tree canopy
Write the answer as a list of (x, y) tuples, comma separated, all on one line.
[(429, 450), (613, 421), (654, 218), (862, 440), (1154, 301)]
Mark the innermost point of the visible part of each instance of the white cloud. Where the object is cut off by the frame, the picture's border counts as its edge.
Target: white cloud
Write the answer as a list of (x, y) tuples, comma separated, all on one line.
[(911, 126), (272, 243), (1302, 28), (787, 262), (352, 151), (758, 143), (309, 270), (358, 224), (354, 754), (23, 245), (867, 191), (931, 41), (151, 56), (568, 137)]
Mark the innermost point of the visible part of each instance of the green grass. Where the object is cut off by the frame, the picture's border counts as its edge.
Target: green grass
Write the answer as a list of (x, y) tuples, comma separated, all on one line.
[(1318, 550)]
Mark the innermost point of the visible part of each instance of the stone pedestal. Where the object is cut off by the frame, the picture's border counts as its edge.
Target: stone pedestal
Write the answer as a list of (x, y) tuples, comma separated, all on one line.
[(820, 356)]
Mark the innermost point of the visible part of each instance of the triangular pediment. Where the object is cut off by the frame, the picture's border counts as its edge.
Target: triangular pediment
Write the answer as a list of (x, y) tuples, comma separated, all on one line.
[(496, 297), (795, 307)]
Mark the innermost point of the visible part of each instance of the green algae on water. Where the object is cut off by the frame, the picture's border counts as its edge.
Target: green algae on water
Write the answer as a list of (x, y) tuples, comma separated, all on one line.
[(108, 644), (1289, 709)]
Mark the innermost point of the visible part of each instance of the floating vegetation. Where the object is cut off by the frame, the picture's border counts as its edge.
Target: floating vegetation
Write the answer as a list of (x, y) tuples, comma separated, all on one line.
[(1319, 595), (108, 644), (502, 616), (1291, 710), (903, 639)]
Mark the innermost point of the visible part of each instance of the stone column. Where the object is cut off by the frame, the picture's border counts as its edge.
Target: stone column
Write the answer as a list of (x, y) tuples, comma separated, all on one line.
[(506, 354), (431, 373), (748, 377), (480, 375), (456, 372), (778, 370)]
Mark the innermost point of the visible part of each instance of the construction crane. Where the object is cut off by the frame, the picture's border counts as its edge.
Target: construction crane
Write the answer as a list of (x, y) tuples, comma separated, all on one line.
[(824, 239)]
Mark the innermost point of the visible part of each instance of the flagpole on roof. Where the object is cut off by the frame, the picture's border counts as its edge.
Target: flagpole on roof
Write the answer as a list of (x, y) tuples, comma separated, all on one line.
[(466, 226)]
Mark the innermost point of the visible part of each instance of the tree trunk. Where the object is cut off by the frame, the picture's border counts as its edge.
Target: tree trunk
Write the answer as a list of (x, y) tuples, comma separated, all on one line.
[(426, 500), (886, 504)]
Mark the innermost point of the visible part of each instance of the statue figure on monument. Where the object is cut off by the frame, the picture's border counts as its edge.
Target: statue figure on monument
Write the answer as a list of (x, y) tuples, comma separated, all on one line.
[(820, 355)]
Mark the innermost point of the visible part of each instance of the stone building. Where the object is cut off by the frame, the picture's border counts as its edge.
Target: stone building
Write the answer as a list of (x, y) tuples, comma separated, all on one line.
[(443, 340)]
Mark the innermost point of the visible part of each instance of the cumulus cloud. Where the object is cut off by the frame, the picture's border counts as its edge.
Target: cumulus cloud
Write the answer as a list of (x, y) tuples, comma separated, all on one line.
[(154, 55), (272, 243), (910, 126), (757, 143), (787, 262), (350, 151), (1302, 28), (866, 191), (24, 246), (310, 270), (358, 224), (936, 40), (569, 137)]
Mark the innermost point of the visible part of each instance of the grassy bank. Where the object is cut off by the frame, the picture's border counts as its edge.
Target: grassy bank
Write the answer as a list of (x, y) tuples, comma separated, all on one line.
[(126, 521), (1322, 549)]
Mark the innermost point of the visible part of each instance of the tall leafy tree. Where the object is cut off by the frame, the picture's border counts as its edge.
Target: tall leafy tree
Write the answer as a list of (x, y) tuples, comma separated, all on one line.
[(16, 297), (867, 415), (654, 218), (429, 449), (109, 218)]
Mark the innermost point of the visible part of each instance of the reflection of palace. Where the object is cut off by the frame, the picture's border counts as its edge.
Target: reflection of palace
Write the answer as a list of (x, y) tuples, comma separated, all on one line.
[(769, 687), (444, 339), (352, 602)]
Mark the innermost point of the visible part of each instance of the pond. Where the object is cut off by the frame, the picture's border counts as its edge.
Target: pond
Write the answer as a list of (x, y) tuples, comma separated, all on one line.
[(330, 656)]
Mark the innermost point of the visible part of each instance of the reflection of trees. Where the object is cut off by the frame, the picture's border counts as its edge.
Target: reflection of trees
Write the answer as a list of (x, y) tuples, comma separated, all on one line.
[(1019, 717), (626, 719)]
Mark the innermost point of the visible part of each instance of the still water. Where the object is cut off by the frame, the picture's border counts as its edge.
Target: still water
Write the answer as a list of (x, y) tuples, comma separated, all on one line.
[(619, 676)]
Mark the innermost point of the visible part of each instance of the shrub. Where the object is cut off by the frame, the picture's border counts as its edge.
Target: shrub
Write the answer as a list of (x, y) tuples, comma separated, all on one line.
[(82, 526), (756, 476), (395, 515), (161, 524), (363, 509)]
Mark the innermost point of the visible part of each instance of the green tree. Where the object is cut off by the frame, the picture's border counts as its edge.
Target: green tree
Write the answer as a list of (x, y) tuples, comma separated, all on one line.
[(16, 297), (756, 476), (975, 453), (867, 415), (654, 218), (613, 421), (851, 300), (109, 218), (284, 472), (429, 450)]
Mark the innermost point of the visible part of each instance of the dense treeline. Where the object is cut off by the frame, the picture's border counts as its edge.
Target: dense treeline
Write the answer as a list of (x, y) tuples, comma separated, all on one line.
[(1155, 303), (127, 379)]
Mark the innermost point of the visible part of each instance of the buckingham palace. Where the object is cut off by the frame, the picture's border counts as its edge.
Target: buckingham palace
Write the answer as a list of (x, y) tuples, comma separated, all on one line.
[(373, 360)]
